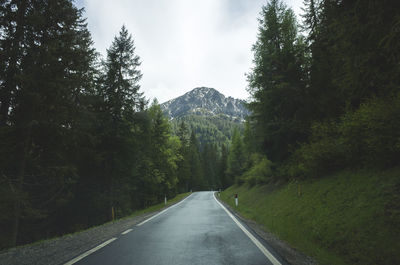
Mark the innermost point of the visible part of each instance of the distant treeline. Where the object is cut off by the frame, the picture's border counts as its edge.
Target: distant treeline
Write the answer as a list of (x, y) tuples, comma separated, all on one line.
[(216, 129), (77, 137), (326, 99)]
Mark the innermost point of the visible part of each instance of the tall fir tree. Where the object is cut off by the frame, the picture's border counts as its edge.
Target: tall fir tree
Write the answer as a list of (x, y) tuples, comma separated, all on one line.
[(236, 158), (184, 164), (122, 102), (48, 59), (277, 83)]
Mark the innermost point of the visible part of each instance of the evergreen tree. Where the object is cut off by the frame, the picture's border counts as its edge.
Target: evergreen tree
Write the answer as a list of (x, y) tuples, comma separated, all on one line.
[(121, 82), (277, 83), (122, 102), (222, 167), (236, 159), (48, 59), (210, 158), (184, 164), (197, 180), (157, 172)]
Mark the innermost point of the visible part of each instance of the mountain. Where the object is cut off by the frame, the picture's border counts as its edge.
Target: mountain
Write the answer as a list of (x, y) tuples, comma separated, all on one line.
[(208, 113), (205, 101)]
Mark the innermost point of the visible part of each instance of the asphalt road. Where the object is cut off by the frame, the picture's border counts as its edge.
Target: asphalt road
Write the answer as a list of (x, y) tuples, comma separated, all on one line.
[(196, 231)]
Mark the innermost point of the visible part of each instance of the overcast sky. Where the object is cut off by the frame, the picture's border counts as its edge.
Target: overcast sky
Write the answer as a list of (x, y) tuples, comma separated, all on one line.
[(183, 44)]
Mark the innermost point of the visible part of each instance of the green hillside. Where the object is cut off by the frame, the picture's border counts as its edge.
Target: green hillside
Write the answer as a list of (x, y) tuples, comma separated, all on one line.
[(347, 218), (216, 129)]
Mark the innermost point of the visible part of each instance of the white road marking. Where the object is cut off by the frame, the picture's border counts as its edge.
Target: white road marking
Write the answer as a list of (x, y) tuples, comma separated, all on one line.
[(268, 254), (87, 253), (126, 232), (154, 216)]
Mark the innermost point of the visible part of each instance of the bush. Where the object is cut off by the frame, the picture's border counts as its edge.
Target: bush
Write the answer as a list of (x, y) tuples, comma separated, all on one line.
[(260, 170), (367, 137), (323, 154), (372, 133)]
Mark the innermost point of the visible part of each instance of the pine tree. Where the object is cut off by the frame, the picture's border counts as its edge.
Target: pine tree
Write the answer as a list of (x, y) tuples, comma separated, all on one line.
[(121, 83), (196, 178), (184, 169), (236, 159), (222, 167), (48, 64), (277, 83), (123, 101)]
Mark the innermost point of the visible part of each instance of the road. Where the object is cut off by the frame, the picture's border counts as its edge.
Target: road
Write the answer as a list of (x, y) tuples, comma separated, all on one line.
[(196, 231)]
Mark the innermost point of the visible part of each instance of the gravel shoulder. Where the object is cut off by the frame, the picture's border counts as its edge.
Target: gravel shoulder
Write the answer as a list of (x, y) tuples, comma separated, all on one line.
[(291, 255), (60, 250)]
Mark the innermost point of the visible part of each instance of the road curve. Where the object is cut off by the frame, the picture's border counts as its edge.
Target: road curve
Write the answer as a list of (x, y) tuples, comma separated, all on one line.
[(196, 231)]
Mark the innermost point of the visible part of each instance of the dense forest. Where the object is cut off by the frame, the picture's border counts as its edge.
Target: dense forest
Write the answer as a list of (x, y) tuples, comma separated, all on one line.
[(78, 138), (216, 129), (325, 93)]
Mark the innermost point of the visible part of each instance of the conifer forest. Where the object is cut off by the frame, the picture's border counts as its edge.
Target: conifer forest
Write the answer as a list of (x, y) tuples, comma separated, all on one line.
[(78, 137)]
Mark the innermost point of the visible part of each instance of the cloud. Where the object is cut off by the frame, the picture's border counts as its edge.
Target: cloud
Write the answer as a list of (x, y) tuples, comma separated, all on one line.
[(182, 43)]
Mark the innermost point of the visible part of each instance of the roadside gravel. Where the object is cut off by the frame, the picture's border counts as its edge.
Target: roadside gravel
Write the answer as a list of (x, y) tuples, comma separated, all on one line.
[(291, 255), (60, 250)]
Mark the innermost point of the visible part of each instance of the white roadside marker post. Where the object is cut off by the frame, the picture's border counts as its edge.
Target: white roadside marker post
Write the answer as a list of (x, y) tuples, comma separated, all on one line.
[(165, 199), (236, 200)]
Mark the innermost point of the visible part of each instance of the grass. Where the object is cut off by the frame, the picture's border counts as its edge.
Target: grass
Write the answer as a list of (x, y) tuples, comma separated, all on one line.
[(150, 209), (159, 206), (348, 218)]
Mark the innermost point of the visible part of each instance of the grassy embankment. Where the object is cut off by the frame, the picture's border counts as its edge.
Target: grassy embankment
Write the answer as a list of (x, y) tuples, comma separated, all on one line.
[(348, 218), (159, 206), (150, 209)]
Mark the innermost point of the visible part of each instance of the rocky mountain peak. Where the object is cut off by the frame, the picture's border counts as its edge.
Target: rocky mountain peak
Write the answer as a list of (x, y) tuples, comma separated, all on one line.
[(205, 101)]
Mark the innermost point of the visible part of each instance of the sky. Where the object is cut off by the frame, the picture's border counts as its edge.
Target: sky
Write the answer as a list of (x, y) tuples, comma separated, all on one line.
[(183, 44)]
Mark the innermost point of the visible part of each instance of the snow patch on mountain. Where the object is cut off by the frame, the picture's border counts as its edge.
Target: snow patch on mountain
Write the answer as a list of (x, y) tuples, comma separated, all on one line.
[(205, 101)]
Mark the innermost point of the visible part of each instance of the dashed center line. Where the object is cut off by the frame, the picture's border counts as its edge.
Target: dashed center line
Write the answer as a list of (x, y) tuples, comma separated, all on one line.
[(126, 232), (154, 216), (87, 253)]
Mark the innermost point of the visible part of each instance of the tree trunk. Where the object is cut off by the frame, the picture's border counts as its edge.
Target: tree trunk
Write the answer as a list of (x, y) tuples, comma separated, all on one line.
[(18, 193)]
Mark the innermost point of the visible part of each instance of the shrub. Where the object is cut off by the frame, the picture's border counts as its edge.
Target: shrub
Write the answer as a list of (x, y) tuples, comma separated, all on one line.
[(367, 137), (259, 171)]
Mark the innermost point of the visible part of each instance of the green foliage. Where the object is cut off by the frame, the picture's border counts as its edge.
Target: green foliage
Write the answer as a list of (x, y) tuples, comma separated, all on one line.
[(276, 83), (236, 159), (259, 172), (330, 100), (48, 60), (372, 133), (201, 168), (366, 137), (208, 129), (324, 154), (76, 136)]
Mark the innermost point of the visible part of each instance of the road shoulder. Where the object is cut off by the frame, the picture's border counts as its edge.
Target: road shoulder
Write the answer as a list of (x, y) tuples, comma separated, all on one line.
[(291, 255), (63, 249)]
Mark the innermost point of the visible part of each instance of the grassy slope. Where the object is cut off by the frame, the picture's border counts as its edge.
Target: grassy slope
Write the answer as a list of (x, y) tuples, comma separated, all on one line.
[(159, 206), (150, 209), (348, 218)]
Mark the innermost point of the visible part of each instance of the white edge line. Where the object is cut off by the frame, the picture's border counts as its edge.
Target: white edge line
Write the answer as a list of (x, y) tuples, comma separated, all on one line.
[(126, 232), (87, 253), (163, 211), (268, 254)]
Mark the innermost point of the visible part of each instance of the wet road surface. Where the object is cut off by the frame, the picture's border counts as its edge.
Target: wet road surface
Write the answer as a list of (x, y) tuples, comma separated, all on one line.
[(196, 231)]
